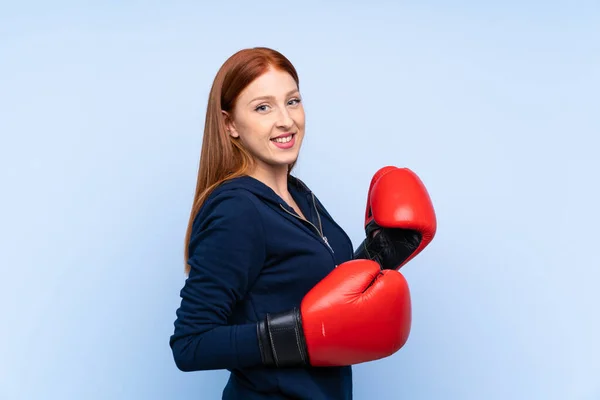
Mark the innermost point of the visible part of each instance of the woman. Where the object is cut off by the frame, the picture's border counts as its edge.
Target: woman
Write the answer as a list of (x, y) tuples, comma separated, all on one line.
[(258, 239), (273, 293)]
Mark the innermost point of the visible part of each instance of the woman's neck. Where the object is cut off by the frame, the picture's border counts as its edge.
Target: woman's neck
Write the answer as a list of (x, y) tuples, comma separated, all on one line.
[(275, 178)]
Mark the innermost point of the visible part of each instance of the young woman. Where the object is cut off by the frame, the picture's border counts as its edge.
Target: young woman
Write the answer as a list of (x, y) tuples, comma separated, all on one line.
[(271, 288)]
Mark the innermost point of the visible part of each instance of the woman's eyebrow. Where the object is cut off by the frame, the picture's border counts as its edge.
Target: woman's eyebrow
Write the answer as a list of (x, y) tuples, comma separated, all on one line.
[(272, 97)]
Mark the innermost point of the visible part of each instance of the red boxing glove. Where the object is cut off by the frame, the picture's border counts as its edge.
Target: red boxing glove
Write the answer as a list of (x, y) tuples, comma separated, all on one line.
[(399, 220), (357, 313)]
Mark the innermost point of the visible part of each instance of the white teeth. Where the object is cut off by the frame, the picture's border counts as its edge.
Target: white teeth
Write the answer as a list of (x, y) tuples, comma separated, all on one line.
[(283, 140)]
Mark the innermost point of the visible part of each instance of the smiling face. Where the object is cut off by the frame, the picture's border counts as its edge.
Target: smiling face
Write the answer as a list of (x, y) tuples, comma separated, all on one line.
[(268, 117)]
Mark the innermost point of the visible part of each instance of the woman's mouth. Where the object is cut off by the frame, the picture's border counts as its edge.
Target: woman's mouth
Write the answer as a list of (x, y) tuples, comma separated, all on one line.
[(284, 141)]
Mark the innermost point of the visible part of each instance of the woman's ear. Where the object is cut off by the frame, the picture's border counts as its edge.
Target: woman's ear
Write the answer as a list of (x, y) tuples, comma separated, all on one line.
[(229, 125)]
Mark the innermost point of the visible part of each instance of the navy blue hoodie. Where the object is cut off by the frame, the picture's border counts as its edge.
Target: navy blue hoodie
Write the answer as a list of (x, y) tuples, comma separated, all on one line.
[(251, 254)]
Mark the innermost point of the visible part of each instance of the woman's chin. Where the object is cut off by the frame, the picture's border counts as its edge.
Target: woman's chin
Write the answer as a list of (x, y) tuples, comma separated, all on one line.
[(284, 159)]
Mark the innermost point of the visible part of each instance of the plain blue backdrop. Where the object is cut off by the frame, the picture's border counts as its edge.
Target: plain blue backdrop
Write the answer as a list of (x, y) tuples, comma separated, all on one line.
[(496, 106)]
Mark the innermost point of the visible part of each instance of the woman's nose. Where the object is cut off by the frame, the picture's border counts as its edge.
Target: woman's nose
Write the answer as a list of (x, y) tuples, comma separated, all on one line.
[(284, 119)]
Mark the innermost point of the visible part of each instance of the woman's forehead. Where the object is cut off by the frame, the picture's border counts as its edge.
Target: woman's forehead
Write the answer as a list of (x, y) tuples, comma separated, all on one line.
[(272, 84)]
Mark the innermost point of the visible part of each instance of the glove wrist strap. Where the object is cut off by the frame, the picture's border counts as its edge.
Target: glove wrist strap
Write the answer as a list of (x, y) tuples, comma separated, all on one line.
[(390, 247), (362, 252), (281, 340)]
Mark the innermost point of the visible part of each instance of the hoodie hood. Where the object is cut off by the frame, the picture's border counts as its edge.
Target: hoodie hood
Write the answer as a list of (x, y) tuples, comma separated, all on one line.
[(297, 188), (312, 208)]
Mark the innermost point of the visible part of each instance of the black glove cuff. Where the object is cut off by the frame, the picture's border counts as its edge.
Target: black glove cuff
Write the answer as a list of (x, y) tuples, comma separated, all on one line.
[(281, 340), (362, 252), (390, 247), (264, 343)]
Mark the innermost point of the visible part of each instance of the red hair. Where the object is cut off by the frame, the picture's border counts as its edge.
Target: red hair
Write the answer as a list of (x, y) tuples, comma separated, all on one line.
[(222, 157)]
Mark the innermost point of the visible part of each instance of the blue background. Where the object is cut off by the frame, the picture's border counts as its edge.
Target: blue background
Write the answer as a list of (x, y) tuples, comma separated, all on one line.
[(496, 106)]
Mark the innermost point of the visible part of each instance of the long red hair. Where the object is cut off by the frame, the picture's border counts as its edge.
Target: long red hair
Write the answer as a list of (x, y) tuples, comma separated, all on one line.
[(222, 157)]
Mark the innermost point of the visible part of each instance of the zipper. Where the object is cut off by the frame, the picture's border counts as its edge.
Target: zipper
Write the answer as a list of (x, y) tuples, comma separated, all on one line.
[(319, 218), (335, 223), (319, 232), (317, 211)]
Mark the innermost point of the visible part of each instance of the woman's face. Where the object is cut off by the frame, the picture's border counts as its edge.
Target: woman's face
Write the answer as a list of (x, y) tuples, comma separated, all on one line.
[(268, 118)]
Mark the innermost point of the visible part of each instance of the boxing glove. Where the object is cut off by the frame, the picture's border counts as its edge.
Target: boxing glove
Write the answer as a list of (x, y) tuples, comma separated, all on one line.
[(399, 219), (357, 313)]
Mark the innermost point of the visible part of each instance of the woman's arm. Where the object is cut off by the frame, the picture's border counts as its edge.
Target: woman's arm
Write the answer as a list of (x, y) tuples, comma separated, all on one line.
[(227, 251)]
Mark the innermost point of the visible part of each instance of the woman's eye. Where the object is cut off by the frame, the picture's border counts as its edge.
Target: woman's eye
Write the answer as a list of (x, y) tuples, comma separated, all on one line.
[(265, 107)]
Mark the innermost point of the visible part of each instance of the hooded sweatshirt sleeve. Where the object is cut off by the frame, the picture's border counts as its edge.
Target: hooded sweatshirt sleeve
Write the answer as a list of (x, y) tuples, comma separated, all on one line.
[(226, 253)]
